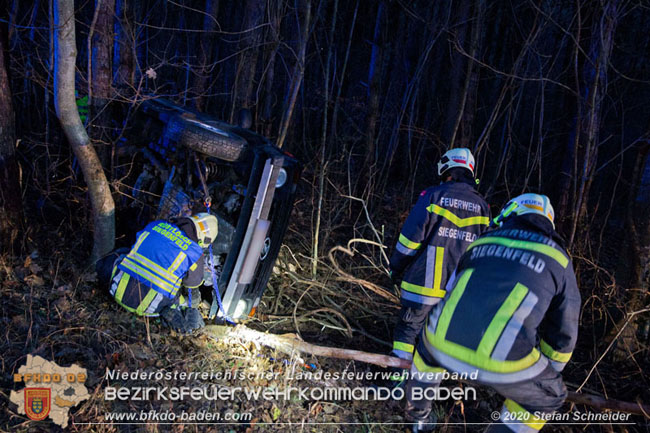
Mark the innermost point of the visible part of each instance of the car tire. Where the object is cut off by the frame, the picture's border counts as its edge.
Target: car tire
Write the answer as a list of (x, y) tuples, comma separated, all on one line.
[(209, 139)]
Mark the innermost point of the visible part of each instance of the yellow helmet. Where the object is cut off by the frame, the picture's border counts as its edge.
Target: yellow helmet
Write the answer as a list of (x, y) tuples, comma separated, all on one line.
[(528, 203), (207, 228)]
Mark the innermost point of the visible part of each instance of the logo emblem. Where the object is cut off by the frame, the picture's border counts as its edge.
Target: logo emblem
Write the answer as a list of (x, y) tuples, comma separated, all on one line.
[(37, 403)]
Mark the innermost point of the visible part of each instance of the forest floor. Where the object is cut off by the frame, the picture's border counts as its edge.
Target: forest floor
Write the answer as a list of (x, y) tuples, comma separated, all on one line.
[(53, 307)]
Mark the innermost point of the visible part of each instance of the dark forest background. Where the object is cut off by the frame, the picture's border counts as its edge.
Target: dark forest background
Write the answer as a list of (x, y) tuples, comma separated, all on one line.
[(551, 96)]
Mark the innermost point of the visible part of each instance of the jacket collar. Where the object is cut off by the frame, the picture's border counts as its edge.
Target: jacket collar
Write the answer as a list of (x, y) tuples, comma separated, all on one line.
[(534, 223)]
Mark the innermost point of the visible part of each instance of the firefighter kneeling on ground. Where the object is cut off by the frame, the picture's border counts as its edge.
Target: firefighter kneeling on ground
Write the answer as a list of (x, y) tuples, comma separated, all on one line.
[(166, 255), (509, 318), (446, 219)]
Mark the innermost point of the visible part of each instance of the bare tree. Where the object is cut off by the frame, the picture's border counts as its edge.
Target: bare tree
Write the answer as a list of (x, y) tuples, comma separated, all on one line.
[(100, 71), (298, 73), (124, 54), (103, 207), (206, 47), (10, 198), (247, 65)]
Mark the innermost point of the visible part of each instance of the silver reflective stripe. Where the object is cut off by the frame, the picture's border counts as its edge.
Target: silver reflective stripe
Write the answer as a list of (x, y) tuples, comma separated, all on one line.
[(431, 266), (515, 426), (557, 365), (403, 354), (406, 251), (451, 283), (115, 282), (453, 364), (516, 322), (420, 299), (434, 316), (151, 309)]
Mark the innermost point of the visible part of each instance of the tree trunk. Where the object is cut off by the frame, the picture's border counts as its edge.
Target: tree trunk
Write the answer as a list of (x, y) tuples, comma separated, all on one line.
[(457, 73), (103, 207), (462, 134), (206, 46), (323, 150), (100, 44), (11, 216), (273, 39), (245, 75), (124, 53), (638, 258), (374, 83), (298, 73), (596, 74)]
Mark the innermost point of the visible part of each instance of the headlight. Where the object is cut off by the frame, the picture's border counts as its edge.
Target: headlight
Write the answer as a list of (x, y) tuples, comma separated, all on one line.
[(282, 178)]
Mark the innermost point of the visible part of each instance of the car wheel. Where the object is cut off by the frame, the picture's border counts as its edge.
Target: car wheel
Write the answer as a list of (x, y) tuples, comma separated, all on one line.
[(209, 139)]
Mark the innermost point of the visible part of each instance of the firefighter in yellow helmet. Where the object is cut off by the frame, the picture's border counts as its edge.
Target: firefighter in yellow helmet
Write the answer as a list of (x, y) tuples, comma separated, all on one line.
[(166, 255), (509, 319)]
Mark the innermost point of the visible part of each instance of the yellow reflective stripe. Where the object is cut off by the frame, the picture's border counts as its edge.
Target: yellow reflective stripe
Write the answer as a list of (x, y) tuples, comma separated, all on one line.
[(523, 416), (422, 366), (500, 320), (534, 206), (177, 262), (437, 276), (463, 353), (408, 243), (398, 345), (121, 287), (524, 245), (421, 290), (450, 306), (144, 304), (554, 354), (455, 219), (137, 257), (141, 239), (162, 272), (193, 266), (151, 277)]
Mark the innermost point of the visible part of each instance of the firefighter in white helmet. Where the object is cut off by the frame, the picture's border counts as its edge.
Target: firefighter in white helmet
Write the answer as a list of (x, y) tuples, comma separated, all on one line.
[(166, 255), (445, 220)]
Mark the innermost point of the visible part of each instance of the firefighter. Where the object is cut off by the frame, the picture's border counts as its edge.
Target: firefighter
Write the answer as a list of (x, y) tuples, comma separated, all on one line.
[(165, 256), (443, 223), (510, 317)]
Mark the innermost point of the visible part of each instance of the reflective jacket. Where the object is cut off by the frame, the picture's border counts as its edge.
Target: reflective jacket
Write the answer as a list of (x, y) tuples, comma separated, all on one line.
[(443, 223), (159, 260), (513, 306)]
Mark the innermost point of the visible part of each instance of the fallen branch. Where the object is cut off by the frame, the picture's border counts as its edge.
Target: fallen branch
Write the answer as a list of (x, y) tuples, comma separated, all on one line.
[(290, 344), (609, 404)]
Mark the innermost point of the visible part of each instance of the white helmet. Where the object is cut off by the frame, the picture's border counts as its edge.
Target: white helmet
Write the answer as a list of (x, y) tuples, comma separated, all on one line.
[(460, 157), (206, 226), (528, 203)]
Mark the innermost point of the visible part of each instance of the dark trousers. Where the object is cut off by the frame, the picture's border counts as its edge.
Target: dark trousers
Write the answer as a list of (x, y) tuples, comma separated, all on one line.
[(409, 326), (544, 393)]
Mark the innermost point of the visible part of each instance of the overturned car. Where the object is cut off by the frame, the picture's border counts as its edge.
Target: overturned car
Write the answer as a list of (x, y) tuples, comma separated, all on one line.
[(180, 161)]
